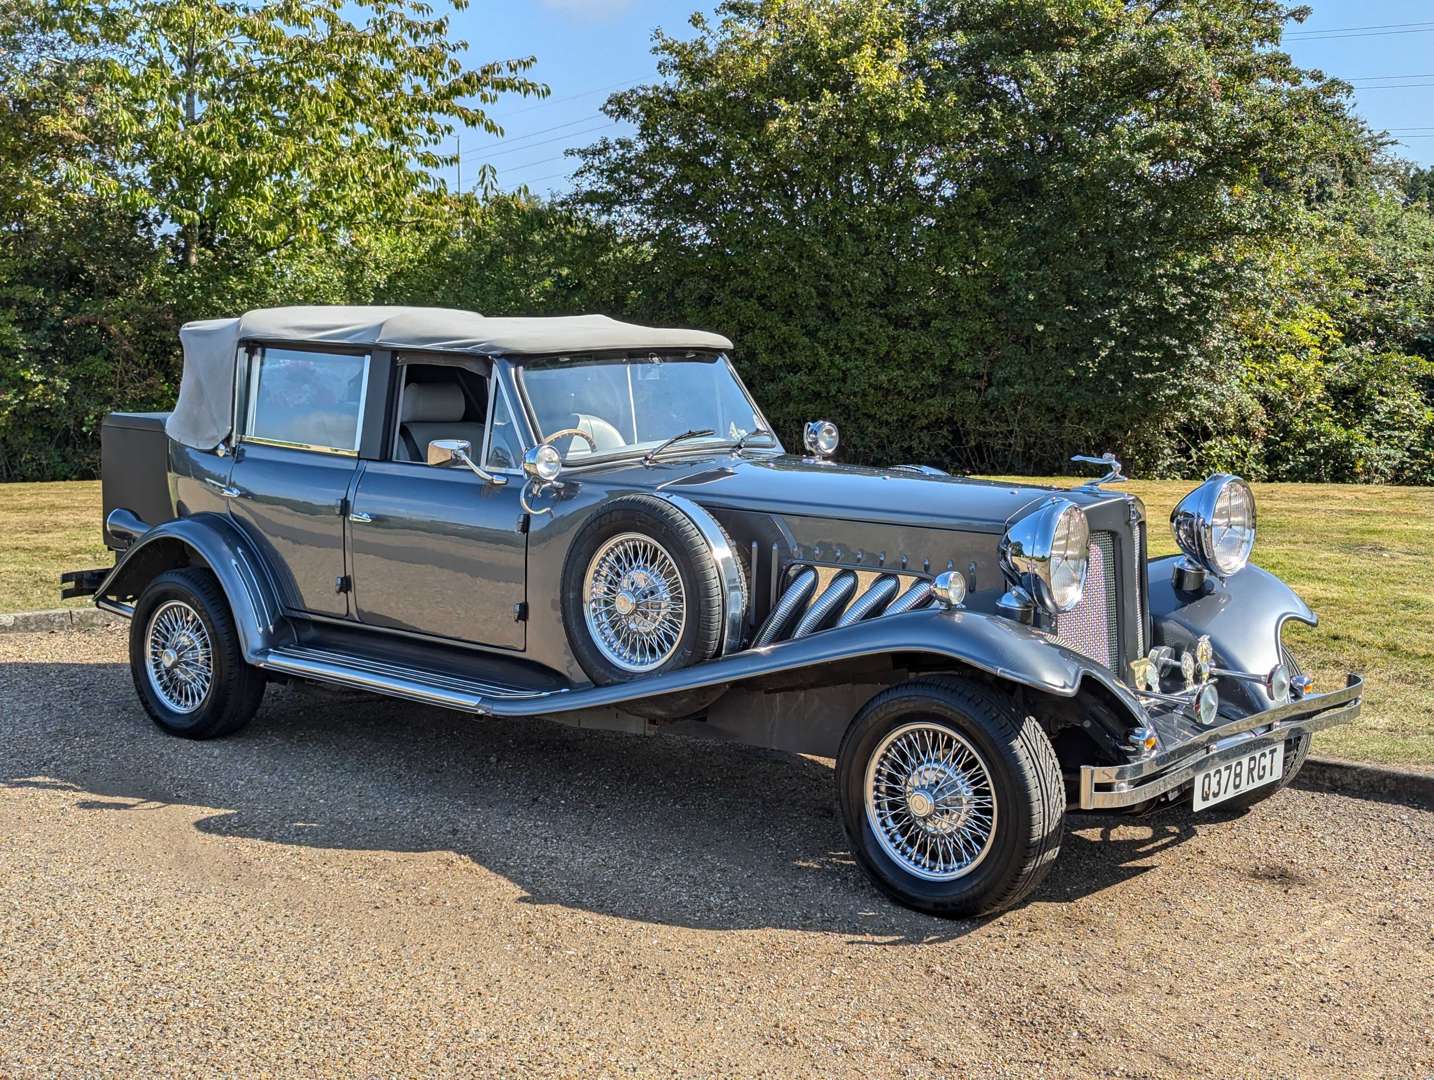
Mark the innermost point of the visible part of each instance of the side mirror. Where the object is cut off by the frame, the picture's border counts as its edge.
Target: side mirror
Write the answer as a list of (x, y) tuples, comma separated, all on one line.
[(448, 452)]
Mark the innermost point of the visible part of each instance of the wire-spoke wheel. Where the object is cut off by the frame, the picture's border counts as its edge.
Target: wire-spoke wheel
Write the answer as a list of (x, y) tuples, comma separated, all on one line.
[(929, 801), (186, 659), (178, 656), (633, 602), (640, 591), (951, 795)]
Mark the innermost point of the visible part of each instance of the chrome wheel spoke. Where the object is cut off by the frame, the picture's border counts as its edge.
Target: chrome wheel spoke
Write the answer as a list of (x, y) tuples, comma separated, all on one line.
[(633, 602), (930, 801), (179, 658)]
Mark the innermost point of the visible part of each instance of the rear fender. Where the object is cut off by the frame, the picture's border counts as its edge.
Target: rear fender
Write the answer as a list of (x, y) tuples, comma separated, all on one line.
[(209, 540)]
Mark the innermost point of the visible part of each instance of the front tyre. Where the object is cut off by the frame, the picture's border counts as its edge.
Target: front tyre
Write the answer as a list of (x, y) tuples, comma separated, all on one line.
[(185, 659), (953, 801)]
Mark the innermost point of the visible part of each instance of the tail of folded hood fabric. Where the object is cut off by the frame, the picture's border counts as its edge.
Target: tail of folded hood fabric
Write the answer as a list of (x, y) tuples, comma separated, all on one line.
[(202, 416)]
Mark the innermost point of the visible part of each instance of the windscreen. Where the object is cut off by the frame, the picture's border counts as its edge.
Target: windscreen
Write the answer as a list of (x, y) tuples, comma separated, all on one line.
[(639, 403)]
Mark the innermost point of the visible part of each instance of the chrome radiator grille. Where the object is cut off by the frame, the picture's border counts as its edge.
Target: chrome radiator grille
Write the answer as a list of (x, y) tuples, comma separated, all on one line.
[(1092, 628)]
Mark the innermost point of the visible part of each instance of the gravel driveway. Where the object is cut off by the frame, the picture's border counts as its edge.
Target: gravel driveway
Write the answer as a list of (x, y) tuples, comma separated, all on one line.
[(363, 887)]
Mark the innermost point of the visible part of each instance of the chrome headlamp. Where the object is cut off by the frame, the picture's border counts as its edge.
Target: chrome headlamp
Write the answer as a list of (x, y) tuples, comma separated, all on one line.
[(821, 439), (1045, 554), (1215, 524)]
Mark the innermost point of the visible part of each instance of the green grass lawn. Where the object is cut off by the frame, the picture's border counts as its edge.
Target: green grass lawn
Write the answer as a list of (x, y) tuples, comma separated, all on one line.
[(1361, 556)]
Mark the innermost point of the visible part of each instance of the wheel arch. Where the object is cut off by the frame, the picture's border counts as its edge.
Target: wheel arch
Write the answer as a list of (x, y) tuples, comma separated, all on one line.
[(211, 542)]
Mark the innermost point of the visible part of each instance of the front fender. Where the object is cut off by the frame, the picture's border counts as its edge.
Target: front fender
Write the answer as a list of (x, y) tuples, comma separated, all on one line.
[(989, 643), (216, 542), (1242, 615)]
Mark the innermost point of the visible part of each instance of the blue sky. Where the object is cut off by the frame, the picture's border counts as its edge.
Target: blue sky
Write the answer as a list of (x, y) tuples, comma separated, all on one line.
[(586, 49)]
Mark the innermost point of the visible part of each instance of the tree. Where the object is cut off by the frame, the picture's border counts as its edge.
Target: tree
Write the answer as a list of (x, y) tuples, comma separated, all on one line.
[(165, 161), (985, 233), (518, 256), (259, 126)]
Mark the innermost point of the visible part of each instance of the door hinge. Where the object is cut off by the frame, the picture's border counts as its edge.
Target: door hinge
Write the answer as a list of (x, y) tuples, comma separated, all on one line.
[(522, 523), (343, 583), (343, 506), (520, 612)]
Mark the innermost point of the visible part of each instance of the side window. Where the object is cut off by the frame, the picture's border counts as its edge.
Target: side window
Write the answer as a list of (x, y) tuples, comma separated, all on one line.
[(309, 399), (505, 449)]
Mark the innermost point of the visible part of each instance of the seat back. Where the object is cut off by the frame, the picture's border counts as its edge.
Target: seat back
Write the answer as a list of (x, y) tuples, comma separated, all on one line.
[(434, 410)]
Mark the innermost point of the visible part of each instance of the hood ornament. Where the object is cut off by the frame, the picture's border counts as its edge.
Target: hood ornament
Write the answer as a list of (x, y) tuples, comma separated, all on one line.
[(1108, 460)]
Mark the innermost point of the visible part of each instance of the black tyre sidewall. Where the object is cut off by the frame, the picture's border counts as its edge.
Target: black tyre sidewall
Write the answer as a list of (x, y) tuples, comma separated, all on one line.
[(993, 738), (671, 528), (232, 685)]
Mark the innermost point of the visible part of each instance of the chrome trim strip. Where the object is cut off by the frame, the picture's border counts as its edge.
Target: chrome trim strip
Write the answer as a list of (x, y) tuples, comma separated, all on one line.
[(1105, 787), (393, 680), (260, 441), (734, 597)]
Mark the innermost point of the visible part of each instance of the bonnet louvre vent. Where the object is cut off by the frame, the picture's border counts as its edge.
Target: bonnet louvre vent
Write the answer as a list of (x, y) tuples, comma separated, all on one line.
[(806, 606)]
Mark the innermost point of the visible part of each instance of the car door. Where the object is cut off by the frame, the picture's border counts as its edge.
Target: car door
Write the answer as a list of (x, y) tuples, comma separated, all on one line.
[(438, 550), (294, 463)]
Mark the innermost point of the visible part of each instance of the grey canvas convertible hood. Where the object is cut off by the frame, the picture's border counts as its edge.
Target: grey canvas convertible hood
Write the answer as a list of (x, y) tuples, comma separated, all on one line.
[(202, 416)]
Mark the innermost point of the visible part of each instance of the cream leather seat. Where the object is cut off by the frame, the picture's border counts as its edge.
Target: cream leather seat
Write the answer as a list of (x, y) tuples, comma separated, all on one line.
[(433, 411)]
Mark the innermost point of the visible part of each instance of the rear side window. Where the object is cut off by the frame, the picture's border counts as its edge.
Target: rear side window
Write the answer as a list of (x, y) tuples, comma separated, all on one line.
[(307, 399)]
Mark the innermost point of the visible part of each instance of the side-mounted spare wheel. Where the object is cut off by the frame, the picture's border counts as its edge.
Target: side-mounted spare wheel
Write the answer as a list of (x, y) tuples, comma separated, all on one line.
[(185, 658), (951, 797), (641, 591)]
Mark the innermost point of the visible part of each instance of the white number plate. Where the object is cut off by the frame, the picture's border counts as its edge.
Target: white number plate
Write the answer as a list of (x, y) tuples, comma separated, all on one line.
[(1255, 769)]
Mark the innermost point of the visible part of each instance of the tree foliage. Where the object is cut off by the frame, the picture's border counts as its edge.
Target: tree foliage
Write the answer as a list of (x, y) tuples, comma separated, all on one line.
[(984, 233), (164, 161)]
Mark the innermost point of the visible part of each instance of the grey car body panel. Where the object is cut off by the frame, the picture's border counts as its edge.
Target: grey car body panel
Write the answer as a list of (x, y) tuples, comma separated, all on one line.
[(884, 520), (258, 611), (442, 553), (289, 506), (1242, 615)]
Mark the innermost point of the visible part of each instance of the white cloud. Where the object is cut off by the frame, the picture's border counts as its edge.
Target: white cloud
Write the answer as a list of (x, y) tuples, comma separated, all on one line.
[(589, 9)]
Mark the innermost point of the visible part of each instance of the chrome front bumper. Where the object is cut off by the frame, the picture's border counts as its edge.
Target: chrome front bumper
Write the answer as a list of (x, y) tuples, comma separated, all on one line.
[(1110, 787)]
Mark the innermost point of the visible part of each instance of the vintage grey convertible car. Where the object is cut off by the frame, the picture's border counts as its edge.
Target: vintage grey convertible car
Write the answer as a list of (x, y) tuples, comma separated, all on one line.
[(584, 519)]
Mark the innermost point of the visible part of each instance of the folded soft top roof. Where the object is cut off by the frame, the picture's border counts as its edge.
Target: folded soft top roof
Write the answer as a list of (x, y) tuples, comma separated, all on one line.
[(202, 416)]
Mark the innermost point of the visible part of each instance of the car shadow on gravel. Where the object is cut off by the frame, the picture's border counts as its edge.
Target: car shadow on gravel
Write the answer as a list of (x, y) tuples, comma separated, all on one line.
[(669, 830)]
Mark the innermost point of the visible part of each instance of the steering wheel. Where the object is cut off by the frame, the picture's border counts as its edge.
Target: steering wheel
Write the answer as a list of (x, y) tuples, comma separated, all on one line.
[(555, 436)]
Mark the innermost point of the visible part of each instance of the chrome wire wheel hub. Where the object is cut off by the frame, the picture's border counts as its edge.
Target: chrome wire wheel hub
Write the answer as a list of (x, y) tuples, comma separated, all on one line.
[(179, 659), (633, 602), (930, 802)]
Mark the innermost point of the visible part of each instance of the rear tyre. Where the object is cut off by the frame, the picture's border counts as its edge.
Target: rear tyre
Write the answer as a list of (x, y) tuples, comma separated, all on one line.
[(952, 799), (185, 659)]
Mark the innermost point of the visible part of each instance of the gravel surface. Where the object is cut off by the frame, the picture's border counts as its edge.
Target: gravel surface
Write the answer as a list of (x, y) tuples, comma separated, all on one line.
[(368, 888)]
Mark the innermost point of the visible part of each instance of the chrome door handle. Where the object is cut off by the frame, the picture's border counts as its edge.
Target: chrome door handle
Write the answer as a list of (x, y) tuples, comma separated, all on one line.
[(358, 517), (223, 488)]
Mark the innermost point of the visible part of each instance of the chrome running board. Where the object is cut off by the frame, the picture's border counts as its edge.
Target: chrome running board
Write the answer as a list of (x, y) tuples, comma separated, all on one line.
[(394, 680)]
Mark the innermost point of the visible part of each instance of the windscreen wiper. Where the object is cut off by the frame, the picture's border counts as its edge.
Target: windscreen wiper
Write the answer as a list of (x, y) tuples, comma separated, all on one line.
[(649, 457)]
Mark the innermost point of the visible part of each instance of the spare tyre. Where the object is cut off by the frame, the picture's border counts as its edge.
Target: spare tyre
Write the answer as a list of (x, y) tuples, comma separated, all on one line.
[(641, 592)]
